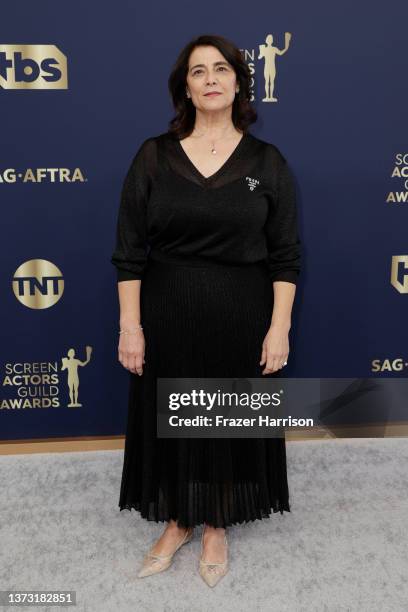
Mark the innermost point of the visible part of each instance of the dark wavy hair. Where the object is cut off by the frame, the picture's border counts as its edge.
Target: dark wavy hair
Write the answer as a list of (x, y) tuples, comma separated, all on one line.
[(243, 114)]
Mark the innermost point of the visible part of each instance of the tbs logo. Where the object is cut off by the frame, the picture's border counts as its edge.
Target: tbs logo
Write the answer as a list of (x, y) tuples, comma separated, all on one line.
[(32, 67)]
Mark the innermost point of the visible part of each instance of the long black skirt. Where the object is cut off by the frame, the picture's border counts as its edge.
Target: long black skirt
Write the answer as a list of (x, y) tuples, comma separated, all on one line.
[(201, 319)]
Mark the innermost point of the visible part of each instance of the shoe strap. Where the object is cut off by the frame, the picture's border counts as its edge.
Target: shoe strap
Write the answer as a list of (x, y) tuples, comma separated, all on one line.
[(165, 557), (209, 563), (161, 557)]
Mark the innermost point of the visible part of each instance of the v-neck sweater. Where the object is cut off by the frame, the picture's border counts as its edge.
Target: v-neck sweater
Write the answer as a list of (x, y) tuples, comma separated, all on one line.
[(243, 213)]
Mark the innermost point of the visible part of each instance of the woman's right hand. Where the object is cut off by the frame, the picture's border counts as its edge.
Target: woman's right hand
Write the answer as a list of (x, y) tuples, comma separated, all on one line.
[(131, 351)]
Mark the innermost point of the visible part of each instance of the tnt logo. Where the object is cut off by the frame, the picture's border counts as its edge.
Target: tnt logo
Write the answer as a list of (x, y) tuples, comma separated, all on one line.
[(32, 67), (38, 283)]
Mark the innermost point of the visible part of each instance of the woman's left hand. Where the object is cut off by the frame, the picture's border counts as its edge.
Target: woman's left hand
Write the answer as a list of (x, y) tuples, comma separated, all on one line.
[(275, 349)]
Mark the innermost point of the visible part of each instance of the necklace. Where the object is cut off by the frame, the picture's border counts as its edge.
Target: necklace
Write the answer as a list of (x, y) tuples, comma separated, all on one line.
[(213, 149)]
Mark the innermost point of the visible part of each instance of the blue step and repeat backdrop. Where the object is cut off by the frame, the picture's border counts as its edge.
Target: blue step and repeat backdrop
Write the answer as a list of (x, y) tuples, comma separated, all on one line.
[(83, 84)]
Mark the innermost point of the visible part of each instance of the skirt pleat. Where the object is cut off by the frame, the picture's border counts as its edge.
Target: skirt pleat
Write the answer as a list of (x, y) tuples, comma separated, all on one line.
[(201, 319)]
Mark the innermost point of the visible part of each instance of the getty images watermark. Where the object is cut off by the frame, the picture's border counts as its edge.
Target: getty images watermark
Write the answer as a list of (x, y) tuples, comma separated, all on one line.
[(224, 408), (265, 407)]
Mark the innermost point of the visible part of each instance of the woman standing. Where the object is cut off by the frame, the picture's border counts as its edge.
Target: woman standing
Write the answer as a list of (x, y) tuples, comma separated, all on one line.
[(207, 258)]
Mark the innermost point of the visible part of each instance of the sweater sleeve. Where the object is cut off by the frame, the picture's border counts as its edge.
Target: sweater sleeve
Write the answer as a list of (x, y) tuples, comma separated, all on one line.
[(283, 243), (130, 254)]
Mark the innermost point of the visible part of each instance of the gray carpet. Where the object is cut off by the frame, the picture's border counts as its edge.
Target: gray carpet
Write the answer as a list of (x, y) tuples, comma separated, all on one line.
[(344, 546)]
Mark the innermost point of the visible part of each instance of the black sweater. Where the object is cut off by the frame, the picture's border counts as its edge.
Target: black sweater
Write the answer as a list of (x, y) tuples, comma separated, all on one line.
[(243, 213)]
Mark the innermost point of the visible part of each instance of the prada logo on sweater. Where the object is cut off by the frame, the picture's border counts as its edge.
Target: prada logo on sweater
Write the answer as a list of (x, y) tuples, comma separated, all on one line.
[(251, 182)]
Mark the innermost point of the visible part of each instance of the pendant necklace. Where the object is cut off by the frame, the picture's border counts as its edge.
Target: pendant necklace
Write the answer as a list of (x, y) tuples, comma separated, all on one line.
[(213, 149)]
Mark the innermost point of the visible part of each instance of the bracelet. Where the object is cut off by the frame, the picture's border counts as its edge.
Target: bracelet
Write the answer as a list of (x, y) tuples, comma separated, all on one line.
[(123, 331)]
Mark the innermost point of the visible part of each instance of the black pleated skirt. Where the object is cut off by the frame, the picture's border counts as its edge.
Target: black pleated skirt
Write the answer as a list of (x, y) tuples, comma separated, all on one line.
[(201, 319)]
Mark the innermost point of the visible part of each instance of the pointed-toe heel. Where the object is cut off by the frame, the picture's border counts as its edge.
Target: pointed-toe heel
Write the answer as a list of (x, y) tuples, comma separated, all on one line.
[(212, 573), (153, 564)]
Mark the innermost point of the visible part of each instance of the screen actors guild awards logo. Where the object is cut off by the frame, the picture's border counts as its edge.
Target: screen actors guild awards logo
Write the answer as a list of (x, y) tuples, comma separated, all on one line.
[(400, 173)]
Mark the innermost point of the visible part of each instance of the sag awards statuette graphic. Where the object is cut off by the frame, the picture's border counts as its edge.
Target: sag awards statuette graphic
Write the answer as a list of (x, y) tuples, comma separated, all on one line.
[(71, 364), (38, 283), (268, 53), (32, 67)]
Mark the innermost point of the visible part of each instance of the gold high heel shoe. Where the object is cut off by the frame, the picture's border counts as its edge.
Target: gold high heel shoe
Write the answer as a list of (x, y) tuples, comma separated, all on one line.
[(212, 572), (153, 564)]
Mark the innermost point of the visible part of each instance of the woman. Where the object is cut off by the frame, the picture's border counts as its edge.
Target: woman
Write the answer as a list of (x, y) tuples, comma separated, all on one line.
[(207, 257)]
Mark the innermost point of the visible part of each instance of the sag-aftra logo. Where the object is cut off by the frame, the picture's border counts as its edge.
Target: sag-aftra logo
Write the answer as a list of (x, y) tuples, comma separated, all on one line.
[(32, 67)]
